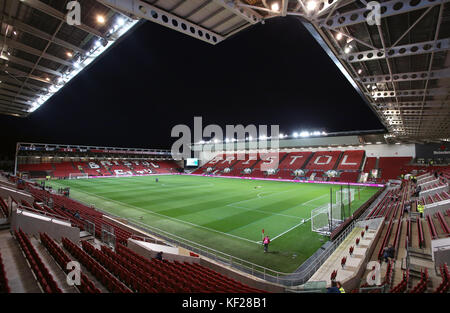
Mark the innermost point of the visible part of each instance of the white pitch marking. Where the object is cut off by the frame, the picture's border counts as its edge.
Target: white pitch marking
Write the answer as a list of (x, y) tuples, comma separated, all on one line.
[(165, 216)]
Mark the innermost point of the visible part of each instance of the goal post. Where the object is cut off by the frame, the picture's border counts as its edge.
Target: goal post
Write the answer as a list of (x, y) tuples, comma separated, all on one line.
[(326, 218), (78, 175), (345, 196)]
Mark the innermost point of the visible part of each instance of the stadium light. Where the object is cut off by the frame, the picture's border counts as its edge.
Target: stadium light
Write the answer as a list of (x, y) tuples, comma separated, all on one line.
[(275, 6), (295, 135), (347, 49), (124, 25), (304, 134), (311, 5), (101, 19), (339, 36), (359, 71)]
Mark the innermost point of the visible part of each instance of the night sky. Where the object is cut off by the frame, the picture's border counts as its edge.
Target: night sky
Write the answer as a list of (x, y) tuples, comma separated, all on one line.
[(156, 78)]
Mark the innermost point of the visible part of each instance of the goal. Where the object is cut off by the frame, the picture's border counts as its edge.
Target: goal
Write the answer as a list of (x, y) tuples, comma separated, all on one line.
[(326, 218), (78, 175), (345, 197)]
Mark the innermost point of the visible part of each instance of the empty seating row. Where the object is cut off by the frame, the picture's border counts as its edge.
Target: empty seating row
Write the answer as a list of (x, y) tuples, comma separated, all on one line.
[(105, 277), (4, 207), (41, 272), (323, 160), (443, 223), (4, 287), (420, 234), (133, 280), (86, 285), (320, 160), (422, 284), (431, 227), (444, 286), (403, 284), (391, 167), (100, 168), (185, 277), (351, 160), (437, 197)]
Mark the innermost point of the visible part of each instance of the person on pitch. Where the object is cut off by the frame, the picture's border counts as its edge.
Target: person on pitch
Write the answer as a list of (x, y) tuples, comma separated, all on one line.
[(266, 242)]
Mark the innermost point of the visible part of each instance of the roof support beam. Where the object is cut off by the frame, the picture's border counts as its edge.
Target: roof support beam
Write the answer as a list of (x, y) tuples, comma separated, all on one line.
[(9, 87), (19, 46), (402, 77), (409, 93), (247, 14), (43, 35), (23, 74), (12, 80), (149, 12), (399, 51), (31, 65), (38, 5), (9, 100), (387, 8)]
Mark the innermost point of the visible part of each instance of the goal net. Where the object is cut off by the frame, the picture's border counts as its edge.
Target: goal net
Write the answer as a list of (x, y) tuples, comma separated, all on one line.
[(78, 175), (326, 218), (345, 197)]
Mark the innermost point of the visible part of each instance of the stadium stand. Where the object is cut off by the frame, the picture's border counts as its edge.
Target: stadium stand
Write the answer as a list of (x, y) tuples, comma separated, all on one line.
[(43, 275), (4, 287), (347, 164), (351, 160), (392, 167), (323, 160), (98, 168), (86, 285)]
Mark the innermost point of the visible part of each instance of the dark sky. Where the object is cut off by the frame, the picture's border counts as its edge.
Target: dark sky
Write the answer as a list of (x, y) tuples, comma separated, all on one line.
[(157, 78)]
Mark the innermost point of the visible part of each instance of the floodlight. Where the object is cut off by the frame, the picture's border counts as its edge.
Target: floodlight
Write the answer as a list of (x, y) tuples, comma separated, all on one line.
[(100, 19), (311, 5), (304, 134), (275, 6)]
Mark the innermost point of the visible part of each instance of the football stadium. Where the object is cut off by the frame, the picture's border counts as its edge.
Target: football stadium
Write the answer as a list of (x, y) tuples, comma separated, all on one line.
[(242, 209)]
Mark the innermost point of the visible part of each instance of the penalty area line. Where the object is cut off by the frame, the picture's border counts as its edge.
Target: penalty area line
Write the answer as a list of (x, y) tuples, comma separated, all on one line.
[(293, 227)]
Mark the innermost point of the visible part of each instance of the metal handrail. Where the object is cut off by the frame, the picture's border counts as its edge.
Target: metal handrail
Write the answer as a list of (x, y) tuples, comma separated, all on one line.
[(48, 214)]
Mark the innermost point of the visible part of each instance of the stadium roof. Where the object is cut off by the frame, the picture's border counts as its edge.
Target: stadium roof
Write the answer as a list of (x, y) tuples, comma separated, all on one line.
[(41, 52), (400, 67)]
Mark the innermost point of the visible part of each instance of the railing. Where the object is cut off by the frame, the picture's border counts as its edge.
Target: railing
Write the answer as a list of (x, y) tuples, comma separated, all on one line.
[(47, 214), (285, 279), (301, 276)]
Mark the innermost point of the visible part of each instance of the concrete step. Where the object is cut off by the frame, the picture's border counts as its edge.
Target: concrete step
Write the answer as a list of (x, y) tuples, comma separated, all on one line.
[(19, 274), (84, 270), (55, 270)]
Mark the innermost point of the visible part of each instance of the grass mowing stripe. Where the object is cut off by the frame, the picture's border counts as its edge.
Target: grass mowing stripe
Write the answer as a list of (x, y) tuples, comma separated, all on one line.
[(169, 217), (200, 214)]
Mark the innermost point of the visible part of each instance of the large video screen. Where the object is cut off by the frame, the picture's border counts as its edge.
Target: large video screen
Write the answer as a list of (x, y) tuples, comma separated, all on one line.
[(191, 162)]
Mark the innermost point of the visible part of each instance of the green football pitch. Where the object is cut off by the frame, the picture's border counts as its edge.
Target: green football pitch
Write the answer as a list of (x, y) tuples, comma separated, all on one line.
[(227, 215)]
